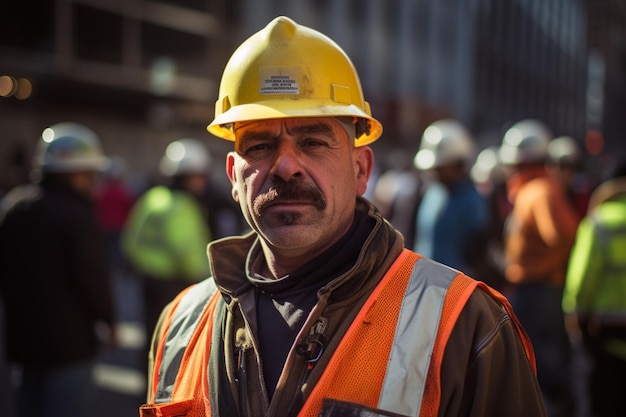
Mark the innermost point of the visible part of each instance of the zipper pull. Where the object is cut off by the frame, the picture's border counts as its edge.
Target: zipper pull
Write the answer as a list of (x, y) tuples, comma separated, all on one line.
[(312, 346), (242, 371)]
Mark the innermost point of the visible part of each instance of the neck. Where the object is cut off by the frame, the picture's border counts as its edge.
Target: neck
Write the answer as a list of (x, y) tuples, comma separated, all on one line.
[(276, 262), (277, 266)]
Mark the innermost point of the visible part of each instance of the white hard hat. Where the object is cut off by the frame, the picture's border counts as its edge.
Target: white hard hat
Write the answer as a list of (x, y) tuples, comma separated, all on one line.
[(444, 141), (69, 147), (564, 150), (487, 167), (185, 156), (525, 142)]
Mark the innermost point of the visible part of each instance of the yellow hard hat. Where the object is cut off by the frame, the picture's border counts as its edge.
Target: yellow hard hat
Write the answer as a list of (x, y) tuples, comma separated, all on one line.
[(290, 70)]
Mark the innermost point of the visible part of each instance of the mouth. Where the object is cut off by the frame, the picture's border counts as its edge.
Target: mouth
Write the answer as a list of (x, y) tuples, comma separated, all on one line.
[(288, 205)]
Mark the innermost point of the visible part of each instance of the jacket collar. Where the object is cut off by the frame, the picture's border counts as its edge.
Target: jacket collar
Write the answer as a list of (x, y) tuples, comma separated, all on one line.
[(229, 257)]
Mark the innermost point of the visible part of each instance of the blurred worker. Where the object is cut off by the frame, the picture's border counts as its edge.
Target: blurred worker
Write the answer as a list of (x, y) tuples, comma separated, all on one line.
[(397, 193), (222, 212), (113, 204), (320, 311), (565, 162), (54, 275), (595, 293), (166, 234), (488, 176), (539, 234), (452, 217)]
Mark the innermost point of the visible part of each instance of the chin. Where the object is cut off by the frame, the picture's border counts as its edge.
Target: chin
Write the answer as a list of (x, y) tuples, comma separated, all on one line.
[(290, 237)]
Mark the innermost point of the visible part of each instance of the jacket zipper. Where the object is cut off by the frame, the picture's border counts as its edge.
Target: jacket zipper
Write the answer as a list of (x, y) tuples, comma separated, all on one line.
[(312, 347), (242, 373)]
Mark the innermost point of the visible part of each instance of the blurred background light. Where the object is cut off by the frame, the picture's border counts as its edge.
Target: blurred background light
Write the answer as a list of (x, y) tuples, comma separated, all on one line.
[(24, 89), (20, 88), (8, 85)]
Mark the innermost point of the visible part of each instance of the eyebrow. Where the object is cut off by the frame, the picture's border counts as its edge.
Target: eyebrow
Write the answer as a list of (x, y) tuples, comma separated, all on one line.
[(314, 127)]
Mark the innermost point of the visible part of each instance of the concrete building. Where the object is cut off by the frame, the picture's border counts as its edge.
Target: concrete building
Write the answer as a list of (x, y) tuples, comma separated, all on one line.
[(139, 73)]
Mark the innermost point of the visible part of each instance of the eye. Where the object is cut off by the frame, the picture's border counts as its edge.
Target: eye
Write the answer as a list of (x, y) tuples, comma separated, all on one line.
[(258, 147), (255, 148), (312, 143)]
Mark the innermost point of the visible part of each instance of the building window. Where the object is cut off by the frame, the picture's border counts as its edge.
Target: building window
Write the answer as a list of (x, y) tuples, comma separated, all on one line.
[(97, 35)]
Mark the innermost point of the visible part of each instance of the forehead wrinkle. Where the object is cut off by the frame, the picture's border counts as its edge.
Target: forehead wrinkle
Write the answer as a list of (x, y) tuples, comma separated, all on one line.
[(256, 135), (313, 127)]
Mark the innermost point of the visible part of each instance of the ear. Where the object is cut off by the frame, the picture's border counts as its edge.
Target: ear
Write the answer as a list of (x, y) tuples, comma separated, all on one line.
[(363, 166), (232, 176)]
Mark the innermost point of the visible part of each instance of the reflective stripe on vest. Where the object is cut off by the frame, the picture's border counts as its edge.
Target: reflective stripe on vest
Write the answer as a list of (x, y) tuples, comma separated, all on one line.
[(177, 391), (186, 315), (394, 345), (429, 297)]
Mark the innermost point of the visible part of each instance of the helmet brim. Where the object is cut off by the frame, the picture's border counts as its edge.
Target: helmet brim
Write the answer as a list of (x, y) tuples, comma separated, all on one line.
[(288, 108)]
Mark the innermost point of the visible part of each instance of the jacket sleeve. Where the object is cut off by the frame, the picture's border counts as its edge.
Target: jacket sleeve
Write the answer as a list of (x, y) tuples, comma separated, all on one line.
[(485, 369), (584, 270)]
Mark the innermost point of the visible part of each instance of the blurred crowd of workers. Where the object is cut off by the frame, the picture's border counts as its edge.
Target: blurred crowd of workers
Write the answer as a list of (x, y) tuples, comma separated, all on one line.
[(528, 219), (523, 216), (63, 239), (512, 215)]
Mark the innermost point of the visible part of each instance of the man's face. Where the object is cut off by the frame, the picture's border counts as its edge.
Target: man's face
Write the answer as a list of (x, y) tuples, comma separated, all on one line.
[(450, 174), (86, 183), (297, 180), (195, 183)]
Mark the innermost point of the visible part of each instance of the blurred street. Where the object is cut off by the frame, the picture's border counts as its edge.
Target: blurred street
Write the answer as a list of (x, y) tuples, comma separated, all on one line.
[(120, 373)]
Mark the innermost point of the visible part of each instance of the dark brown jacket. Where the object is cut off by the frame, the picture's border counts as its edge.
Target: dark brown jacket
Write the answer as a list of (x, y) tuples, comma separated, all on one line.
[(485, 371)]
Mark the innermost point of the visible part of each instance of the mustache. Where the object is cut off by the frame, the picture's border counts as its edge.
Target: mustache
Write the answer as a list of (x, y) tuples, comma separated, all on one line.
[(287, 191)]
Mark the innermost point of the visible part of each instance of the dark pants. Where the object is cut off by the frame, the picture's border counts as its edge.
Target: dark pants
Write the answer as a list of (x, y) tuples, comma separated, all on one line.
[(538, 307), (65, 391), (607, 376)]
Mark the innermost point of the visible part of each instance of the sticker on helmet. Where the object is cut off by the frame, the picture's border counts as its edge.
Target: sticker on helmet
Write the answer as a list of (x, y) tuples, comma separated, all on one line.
[(279, 80)]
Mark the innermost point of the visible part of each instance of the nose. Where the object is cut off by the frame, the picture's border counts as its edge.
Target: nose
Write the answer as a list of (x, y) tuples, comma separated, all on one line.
[(288, 161)]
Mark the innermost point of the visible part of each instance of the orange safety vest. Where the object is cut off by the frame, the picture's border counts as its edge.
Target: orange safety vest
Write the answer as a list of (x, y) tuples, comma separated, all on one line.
[(371, 335)]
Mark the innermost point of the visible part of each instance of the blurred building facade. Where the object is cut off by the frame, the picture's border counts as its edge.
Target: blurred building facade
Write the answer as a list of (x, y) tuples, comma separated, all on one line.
[(139, 73), (486, 62), (144, 72)]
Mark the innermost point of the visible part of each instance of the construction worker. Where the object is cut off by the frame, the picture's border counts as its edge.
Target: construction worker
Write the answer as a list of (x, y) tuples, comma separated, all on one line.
[(54, 275), (594, 293), (565, 161), (538, 236), (398, 191), (166, 233), (320, 311), (488, 176), (452, 217)]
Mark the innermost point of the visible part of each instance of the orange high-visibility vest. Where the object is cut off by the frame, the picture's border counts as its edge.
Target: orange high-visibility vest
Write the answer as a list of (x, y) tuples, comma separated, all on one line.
[(367, 368)]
